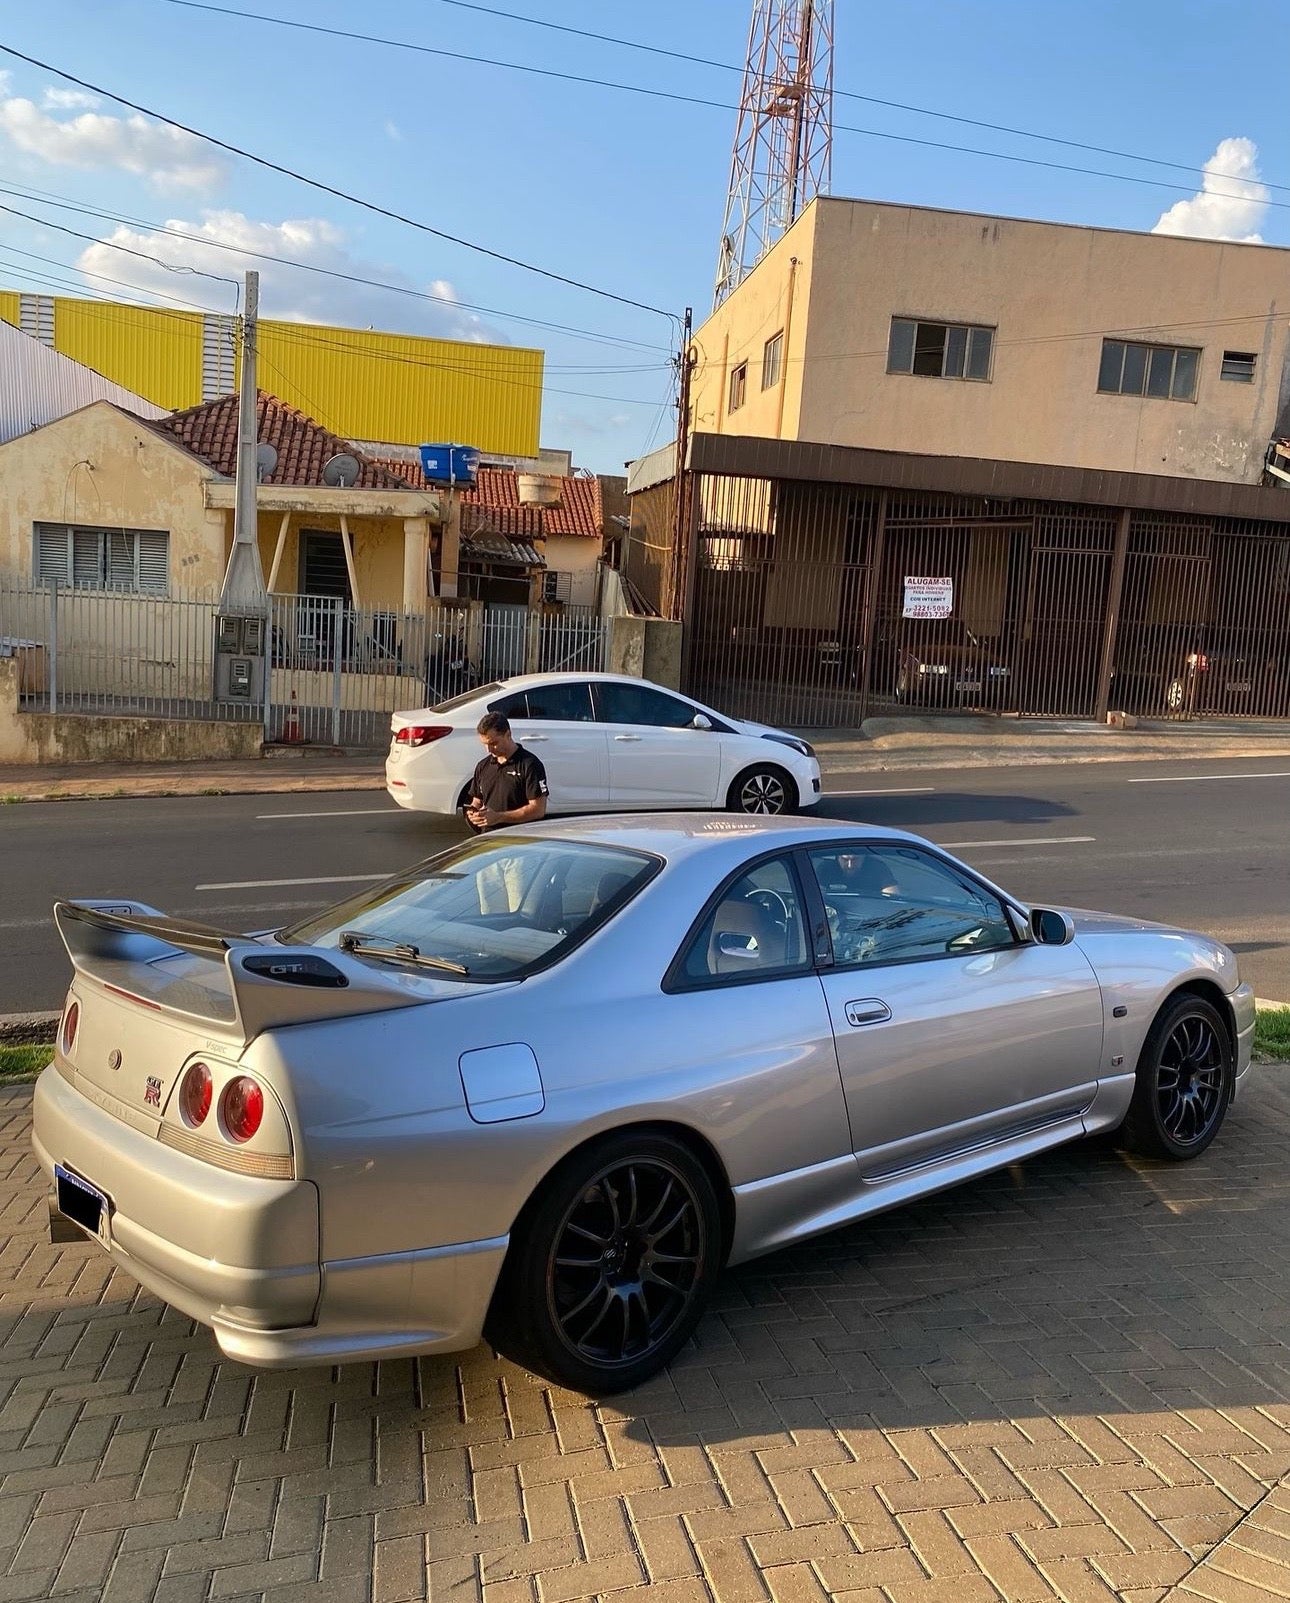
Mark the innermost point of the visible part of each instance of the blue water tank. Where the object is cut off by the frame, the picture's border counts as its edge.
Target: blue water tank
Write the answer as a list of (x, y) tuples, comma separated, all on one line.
[(449, 464)]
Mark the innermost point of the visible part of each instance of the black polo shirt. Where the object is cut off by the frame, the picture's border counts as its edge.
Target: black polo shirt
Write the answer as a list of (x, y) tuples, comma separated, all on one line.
[(505, 786)]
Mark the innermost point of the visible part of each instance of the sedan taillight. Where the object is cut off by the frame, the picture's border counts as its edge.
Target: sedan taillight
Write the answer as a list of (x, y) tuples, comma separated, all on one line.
[(242, 1108), (71, 1020), (195, 1094), (420, 734)]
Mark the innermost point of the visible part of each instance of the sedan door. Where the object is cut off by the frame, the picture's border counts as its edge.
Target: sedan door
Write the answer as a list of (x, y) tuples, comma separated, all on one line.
[(951, 1032), (555, 722), (657, 758)]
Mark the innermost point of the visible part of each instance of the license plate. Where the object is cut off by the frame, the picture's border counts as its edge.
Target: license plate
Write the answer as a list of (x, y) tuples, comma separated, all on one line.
[(967, 684), (83, 1203)]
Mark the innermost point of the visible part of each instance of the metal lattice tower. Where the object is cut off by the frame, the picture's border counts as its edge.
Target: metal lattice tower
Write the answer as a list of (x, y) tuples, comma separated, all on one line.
[(783, 151)]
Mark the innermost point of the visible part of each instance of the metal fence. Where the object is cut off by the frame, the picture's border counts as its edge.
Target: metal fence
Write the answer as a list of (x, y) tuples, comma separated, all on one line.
[(333, 673), (804, 607)]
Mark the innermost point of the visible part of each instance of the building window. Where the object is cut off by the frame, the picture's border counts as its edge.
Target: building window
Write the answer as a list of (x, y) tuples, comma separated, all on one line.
[(940, 350), (772, 360), (136, 560), (1167, 372), (1238, 367), (738, 386)]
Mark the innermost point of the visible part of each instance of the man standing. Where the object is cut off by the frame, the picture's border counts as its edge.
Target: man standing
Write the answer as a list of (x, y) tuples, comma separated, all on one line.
[(509, 786)]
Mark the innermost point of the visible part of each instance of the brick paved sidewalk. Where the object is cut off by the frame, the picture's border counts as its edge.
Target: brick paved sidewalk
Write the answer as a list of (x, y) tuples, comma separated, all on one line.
[(1069, 1381)]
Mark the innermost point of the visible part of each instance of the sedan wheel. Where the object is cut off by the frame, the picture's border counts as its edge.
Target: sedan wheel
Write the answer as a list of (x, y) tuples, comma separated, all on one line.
[(610, 1268), (1184, 1082), (762, 790)]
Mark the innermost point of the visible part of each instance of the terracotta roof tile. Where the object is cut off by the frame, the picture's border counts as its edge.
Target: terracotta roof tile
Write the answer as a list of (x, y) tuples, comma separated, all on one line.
[(495, 501), (209, 431)]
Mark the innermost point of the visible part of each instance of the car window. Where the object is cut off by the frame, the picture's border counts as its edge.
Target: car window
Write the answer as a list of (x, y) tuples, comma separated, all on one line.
[(755, 930), (641, 704), (570, 702), (516, 705), (493, 908), (892, 903)]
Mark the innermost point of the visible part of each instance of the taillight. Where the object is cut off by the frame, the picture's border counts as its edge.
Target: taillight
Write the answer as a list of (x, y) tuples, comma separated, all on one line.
[(242, 1108), (420, 734), (71, 1019), (195, 1094)]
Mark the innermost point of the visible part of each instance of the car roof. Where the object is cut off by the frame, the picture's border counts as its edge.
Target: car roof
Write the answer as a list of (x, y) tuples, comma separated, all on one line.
[(521, 681), (677, 835)]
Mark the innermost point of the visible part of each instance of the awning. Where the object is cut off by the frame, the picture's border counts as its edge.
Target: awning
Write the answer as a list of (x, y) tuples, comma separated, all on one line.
[(485, 546)]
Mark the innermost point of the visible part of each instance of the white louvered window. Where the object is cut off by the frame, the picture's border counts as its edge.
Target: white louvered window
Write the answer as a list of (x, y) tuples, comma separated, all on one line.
[(135, 560)]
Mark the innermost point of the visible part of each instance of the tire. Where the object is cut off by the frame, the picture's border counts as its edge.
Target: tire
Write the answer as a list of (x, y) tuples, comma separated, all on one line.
[(765, 790), (1184, 1082), (610, 1265), (1175, 696)]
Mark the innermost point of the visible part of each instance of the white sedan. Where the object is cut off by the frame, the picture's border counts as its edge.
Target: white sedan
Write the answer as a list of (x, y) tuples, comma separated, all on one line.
[(609, 743)]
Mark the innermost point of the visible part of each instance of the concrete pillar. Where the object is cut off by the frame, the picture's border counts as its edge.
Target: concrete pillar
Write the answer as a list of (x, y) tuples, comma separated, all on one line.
[(450, 548), (416, 563)]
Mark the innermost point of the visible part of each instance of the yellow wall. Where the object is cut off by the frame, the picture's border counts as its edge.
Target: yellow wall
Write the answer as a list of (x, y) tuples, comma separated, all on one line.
[(398, 388), (378, 554), (155, 353)]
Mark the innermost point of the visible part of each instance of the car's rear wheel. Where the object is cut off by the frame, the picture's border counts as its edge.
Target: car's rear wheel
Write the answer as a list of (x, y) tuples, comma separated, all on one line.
[(765, 789), (1184, 1081), (1175, 696), (610, 1266)]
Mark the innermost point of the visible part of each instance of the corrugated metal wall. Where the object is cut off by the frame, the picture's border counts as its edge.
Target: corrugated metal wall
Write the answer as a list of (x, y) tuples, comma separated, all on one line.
[(38, 385), (362, 384)]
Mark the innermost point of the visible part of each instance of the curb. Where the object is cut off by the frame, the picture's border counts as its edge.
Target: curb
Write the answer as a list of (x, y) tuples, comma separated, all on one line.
[(27, 1029)]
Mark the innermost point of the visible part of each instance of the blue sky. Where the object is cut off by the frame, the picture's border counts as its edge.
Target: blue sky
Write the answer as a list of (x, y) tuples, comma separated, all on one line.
[(618, 190)]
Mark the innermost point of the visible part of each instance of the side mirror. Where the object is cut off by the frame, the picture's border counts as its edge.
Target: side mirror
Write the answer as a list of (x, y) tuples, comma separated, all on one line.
[(1050, 928), (700, 721)]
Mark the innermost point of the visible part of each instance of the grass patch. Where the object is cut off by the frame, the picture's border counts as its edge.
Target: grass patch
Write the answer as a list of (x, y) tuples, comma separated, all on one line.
[(1272, 1034), (18, 1063)]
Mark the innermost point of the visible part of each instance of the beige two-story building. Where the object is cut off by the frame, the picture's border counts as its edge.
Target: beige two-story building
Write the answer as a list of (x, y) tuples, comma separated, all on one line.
[(901, 328)]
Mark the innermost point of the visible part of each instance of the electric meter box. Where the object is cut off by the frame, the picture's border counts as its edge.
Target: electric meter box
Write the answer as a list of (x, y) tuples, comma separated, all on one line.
[(239, 657)]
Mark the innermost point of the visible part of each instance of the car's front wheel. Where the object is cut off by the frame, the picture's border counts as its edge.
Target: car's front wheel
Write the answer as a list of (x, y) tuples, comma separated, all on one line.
[(611, 1264), (764, 789), (1184, 1081)]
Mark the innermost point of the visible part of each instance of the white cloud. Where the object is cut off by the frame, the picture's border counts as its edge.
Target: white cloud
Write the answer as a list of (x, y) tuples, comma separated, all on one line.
[(393, 132), (286, 292), (1231, 203), (96, 141), (68, 100)]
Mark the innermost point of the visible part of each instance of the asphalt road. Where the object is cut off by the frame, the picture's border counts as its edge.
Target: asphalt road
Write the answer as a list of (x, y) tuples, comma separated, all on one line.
[(1200, 844)]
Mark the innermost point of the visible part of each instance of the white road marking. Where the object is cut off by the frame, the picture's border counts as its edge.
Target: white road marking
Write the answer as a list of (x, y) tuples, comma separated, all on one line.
[(1188, 779), (265, 884), (909, 790), (1050, 840), (357, 812)]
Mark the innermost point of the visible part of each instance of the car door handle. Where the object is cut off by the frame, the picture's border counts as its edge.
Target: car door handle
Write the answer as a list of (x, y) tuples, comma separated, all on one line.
[(532, 740), (869, 1011), (627, 737)]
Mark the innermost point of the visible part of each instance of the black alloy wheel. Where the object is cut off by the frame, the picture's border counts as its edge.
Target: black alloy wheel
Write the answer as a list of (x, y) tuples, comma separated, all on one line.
[(764, 790), (1184, 1081), (609, 1269)]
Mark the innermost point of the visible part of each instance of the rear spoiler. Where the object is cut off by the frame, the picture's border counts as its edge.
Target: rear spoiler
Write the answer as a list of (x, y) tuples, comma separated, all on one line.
[(243, 987)]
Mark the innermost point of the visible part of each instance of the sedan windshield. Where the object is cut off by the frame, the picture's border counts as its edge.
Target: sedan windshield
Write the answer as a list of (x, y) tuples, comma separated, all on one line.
[(491, 909)]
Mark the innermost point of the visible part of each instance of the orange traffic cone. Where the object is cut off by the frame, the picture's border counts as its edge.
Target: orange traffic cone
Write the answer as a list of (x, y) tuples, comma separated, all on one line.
[(291, 735)]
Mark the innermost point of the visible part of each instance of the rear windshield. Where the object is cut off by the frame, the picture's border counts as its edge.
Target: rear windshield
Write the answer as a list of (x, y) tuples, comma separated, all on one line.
[(496, 907), (453, 702)]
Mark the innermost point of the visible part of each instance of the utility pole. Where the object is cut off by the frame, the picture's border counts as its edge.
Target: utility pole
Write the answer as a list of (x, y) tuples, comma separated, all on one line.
[(243, 589), (681, 531)]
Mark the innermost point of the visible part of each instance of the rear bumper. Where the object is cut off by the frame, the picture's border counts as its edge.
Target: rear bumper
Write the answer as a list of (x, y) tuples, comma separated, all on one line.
[(240, 1254), (420, 792)]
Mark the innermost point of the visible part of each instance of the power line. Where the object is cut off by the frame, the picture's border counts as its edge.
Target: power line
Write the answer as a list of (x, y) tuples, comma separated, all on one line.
[(64, 203), (719, 105), (333, 190)]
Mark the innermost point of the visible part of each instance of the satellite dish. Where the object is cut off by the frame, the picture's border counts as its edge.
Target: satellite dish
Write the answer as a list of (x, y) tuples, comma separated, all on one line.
[(266, 459), (341, 471)]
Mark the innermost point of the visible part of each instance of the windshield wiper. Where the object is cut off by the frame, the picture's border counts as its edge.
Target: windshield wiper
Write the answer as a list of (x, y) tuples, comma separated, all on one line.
[(362, 944)]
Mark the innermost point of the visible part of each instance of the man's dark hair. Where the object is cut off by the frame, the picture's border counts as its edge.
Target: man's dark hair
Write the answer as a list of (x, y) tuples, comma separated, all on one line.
[(493, 723)]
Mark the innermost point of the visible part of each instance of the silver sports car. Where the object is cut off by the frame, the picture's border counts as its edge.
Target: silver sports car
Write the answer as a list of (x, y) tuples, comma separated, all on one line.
[(544, 1085)]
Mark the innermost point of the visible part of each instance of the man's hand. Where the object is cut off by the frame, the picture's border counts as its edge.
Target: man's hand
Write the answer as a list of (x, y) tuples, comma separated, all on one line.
[(485, 817)]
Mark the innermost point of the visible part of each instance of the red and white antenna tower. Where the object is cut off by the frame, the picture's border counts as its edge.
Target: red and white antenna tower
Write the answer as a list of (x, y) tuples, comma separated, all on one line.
[(783, 151)]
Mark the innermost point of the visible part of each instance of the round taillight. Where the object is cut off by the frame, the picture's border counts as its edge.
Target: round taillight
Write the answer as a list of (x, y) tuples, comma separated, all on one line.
[(71, 1020), (195, 1094), (242, 1106)]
